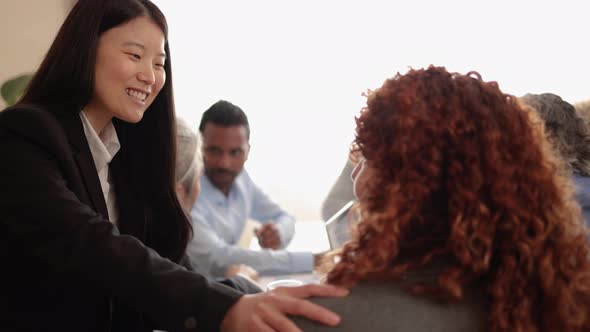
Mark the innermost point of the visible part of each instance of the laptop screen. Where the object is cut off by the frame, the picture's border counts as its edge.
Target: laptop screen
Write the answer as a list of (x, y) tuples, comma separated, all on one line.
[(338, 226)]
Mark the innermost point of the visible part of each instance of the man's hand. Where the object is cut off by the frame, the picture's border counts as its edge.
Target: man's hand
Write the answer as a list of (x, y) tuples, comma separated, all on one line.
[(268, 311), (268, 236), (318, 259), (243, 270)]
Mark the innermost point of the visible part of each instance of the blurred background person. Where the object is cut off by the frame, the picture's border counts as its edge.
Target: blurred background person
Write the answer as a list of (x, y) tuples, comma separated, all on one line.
[(189, 167), (567, 131), (468, 224), (583, 108), (229, 198), (341, 191)]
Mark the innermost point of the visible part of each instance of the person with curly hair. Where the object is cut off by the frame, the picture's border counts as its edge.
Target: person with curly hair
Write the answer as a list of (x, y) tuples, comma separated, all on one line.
[(569, 134), (467, 221)]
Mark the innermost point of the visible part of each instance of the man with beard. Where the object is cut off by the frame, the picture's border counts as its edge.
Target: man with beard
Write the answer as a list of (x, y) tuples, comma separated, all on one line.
[(229, 198)]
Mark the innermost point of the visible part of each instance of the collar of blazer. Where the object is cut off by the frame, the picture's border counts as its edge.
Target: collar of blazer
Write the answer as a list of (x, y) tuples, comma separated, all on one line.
[(67, 138), (57, 121), (72, 125), (132, 218)]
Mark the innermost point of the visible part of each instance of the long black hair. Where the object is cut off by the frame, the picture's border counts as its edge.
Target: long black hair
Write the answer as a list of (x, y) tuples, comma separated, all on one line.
[(64, 83)]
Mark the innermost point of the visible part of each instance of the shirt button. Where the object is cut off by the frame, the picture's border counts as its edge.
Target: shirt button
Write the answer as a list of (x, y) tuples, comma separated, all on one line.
[(190, 323)]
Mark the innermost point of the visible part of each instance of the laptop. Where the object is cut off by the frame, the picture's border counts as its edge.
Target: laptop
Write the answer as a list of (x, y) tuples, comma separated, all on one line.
[(338, 226)]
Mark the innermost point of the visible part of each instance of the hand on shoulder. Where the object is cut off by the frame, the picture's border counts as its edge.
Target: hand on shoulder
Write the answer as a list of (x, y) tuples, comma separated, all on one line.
[(268, 311)]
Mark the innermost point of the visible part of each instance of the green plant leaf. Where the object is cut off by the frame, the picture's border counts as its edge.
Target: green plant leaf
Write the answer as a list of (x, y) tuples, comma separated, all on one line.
[(13, 89)]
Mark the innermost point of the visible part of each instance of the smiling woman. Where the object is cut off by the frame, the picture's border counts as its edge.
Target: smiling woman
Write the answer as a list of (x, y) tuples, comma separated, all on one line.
[(129, 72), (91, 227)]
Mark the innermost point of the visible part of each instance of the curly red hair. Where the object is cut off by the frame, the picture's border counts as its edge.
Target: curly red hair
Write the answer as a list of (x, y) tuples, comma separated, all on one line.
[(462, 174)]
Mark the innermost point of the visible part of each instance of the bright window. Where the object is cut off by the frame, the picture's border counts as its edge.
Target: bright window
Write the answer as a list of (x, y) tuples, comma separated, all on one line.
[(298, 68)]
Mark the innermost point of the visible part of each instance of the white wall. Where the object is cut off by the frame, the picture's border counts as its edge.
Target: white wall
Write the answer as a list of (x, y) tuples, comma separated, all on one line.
[(298, 68), (27, 28)]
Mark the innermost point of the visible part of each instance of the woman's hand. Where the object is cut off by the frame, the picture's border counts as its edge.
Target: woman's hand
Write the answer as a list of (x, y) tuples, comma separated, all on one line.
[(267, 312)]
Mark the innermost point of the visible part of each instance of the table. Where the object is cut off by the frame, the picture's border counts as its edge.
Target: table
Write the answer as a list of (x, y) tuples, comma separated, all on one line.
[(309, 236)]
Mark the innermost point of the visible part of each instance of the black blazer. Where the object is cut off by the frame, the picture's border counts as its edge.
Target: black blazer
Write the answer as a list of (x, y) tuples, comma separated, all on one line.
[(65, 266)]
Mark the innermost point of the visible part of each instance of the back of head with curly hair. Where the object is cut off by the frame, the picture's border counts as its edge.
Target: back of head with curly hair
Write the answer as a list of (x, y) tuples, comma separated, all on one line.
[(565, 129), (462, 174)]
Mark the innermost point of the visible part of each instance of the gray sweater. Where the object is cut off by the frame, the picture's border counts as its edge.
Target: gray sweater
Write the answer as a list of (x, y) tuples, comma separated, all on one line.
[(387, 307)]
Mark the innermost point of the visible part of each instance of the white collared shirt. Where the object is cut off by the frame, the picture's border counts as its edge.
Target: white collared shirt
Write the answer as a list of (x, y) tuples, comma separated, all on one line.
[(103, 148), (219, 220)]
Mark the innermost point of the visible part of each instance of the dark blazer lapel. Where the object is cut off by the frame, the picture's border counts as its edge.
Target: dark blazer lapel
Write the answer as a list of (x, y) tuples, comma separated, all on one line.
[(72, 125)]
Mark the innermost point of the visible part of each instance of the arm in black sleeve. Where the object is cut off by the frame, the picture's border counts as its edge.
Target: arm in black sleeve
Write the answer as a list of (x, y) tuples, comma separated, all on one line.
[(52, 226)]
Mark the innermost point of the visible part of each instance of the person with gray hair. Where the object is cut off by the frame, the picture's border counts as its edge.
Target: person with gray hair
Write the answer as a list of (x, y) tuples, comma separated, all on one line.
[(570, 136), (189, 165)]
